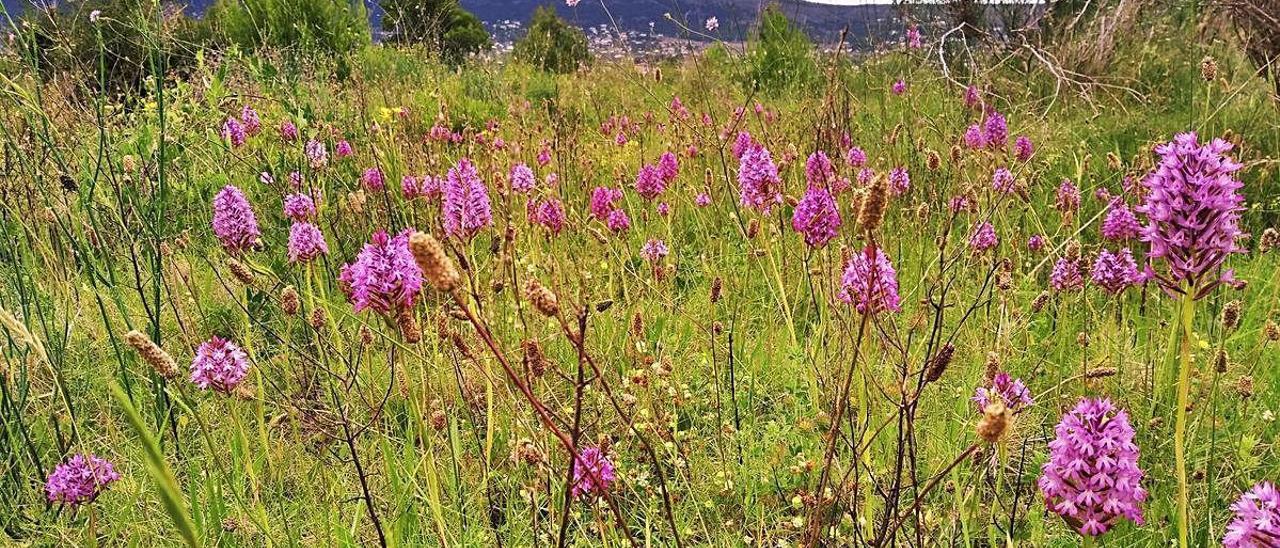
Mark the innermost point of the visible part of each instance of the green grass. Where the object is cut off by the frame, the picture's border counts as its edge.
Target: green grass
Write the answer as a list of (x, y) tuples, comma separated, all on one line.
[(738, 427)]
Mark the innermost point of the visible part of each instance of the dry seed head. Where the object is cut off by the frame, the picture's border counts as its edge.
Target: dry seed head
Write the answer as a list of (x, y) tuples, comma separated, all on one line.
[(1271, 330), (1039, 302), (1221, 361), (534, 360), (436, 265), (995, 420), (318, 318), (408, 325), (151, 353), (992, 367), (1100, 372), (637, 325), (933, 160), (366, 335), (542, 298), (753, 228), (938, 365), (289, 301), (1244, 387), (1113, 161), (1231, 315), (1209, 68), (240, 271), (1270, 237), (872, 213)]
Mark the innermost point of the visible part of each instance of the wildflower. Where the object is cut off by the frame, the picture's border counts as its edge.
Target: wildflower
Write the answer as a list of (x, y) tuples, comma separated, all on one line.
[(649, 182), (1193, 207), (654, 250), (913, 36), (742, 144), (290, 301), (1092, 477), (373, 179), (1007, 390), (664, 209), (1114, 272), (1035, 242), (80, 479), (1256, 522), (435, 264), (409, 187), (618, 221), (306, 243), (713, 24), (972, 97), (974, 137), (983, 237), (1023, 148), (758, 184), (1066, 276), (550, 214), (1209, 68), (233, 132), (899, 181), (1067, 199), (855, 157), (384, 275), (871, 214), (234, 222), (430, 187), (288, 131), (466, 207), (522, 179), (299, 206), (219, 365), (702, 199), (542, 298), (939, 363), (899, 87), (817, 217), (343, 149), (603, 200), (870, 283), (1002, 181), (593, 473), (668, 166), (996, 130), (317, 154), (1120, 222)]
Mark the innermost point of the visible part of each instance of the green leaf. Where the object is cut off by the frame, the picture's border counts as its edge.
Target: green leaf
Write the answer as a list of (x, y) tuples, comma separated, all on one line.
[(170, 494)]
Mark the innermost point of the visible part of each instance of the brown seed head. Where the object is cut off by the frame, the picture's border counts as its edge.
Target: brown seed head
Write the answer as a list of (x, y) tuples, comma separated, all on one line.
[(436, 265), (542, 298), (240, 271), (995, 420), (318, 318), (289, 300), (1209, 68), (408, 325), (938, 365), (151, 353), (1231, 315)]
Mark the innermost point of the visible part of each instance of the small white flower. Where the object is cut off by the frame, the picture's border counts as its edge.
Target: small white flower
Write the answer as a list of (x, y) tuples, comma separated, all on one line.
[(95, 15), (712, 24), (571, 3)]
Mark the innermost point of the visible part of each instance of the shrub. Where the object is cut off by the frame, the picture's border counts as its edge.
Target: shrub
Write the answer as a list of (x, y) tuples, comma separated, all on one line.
[(781, 55), (1258, 23), (443, 26), (326, 26), (552, 44)]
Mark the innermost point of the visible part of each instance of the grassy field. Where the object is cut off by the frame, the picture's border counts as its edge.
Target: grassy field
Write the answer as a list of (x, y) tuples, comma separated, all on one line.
[(709, 377)]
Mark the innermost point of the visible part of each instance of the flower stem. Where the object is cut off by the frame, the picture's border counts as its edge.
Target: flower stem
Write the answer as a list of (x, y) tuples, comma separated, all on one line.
[(1180, 428)]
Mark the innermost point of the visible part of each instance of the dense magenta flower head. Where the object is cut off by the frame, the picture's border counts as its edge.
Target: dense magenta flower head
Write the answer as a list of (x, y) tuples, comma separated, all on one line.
[(522, 179), (317, 154), (1013, 393), (759, 186), (899, 181), (250, 120), (288, 131), (618, 221), (306, 243), (1193, 205), (1115, 272), (1092, 477), (668, 166), (972, 97), (855, 157), (913, 36), (233, 132), (234, 223), (654, 250), (1120, 222), (974, 137), (818, 169), (742, 144), (384, 276), (219, 365), (899, 87), (816, 216), (1067, 199), (1256, 521), (593, 473), (870, 283), (983, 237), (466, 207), (343, 149), (550, 215), (299, 206), (373, 179), (1023, 148), (649, 182), (1035, 242), (703, 199), (996, 129), (1002, 181), (603, 201), (1066, 275), (80, 479)]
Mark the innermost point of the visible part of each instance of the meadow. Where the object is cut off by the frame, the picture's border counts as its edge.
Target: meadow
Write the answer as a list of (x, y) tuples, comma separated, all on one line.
[(928, 297)]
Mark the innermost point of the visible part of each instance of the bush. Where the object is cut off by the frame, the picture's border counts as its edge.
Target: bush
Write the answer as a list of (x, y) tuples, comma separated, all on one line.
[(781, 54), (115, 49), (1258, 23), (328, 26), (443, 26), (552, 44)]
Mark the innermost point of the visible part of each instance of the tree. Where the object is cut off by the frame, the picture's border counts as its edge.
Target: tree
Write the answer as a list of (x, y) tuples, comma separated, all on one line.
[(781, 55), (332, 26), (552, 44), (442, 25)]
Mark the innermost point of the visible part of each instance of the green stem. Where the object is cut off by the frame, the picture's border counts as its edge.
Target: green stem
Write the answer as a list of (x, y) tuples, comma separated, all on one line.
[(1180, 428)]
